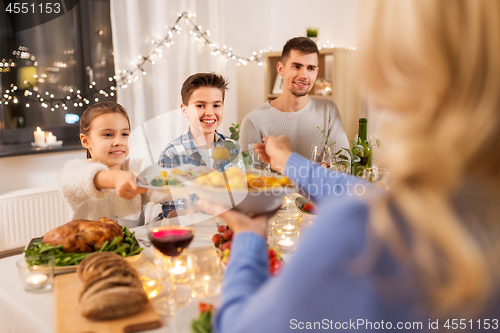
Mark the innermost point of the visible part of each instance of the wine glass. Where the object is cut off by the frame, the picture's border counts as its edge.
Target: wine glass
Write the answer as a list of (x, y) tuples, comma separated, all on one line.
[(381, 177), (171, 241)]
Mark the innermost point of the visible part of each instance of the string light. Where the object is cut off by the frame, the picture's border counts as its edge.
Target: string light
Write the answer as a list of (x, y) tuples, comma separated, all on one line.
[(123, 78)]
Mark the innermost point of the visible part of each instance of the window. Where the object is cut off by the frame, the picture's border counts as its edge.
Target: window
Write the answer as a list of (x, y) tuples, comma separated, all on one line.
[(56, 61)]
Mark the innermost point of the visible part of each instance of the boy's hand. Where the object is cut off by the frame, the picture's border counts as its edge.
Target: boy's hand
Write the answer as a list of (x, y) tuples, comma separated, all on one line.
[(275, 151)]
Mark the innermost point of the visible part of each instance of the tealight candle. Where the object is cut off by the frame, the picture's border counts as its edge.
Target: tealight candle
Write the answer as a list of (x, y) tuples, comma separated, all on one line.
[(36, 279), (39, 136), (285, 242), (50, 138), (288, 227), (178, 269)]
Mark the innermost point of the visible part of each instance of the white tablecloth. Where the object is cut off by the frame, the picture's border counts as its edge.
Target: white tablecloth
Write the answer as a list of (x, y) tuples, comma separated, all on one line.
[(21, 311)]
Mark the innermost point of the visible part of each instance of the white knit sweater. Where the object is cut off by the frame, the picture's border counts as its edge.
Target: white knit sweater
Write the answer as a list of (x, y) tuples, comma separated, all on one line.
[(299, 126), (76, 184)]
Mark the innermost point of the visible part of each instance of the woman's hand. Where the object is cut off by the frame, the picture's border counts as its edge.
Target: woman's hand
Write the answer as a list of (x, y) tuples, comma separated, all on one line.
[(237, 222), (275, 151), (122, 181)]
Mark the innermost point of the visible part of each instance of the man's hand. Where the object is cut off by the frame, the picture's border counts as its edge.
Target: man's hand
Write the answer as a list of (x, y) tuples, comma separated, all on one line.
[(122, 181), (275, 151), (237, 222)]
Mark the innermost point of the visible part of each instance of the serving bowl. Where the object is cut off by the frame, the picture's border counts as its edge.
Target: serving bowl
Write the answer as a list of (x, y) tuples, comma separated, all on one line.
[(254, 200)]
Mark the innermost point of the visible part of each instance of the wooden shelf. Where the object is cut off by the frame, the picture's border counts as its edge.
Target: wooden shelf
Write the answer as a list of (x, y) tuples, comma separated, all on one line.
[(335, 66)]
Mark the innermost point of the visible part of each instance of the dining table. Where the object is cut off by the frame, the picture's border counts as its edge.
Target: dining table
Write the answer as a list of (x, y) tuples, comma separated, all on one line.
[(22, 311)]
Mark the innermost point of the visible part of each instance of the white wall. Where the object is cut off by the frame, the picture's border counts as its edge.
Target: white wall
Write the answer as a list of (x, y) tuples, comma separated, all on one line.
[(38, 170), (258, 24)]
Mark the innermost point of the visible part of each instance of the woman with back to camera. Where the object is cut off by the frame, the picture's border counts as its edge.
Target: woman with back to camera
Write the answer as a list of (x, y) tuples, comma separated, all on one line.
[(424, 251)]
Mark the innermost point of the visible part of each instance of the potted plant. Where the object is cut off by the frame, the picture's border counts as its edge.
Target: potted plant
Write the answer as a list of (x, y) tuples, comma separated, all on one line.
[(312, 33)]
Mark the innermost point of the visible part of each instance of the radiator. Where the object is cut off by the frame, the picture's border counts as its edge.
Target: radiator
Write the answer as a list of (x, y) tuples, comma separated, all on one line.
[(30, 213)]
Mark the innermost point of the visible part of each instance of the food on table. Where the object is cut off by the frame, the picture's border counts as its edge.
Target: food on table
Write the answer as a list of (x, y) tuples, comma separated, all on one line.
[(111, 287), (310, 208), (238, 179), (82, 235), (223, 241), (220, 153), (164, 178), (125, 245), (204, 321)]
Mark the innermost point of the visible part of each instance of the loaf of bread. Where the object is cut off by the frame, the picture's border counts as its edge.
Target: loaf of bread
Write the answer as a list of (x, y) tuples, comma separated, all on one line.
[(111, 287)]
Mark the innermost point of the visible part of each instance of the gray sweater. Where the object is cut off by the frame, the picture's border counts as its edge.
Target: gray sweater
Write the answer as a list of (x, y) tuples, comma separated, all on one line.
[(300, 126)]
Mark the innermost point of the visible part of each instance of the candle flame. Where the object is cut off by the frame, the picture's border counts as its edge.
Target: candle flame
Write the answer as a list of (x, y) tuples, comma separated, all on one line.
[(38, 129)]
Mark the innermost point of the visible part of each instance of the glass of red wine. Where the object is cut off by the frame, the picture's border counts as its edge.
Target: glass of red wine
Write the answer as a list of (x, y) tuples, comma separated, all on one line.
[(171, 241)]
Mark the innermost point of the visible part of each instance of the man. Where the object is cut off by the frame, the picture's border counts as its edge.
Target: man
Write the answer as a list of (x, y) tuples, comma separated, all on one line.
[(293, 113)]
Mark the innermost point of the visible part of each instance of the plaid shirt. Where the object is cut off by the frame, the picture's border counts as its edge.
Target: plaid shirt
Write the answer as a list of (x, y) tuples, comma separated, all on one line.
[(183, 150)]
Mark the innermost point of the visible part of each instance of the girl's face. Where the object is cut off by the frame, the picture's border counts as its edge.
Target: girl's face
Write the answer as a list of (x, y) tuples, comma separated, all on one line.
[(107, 140)]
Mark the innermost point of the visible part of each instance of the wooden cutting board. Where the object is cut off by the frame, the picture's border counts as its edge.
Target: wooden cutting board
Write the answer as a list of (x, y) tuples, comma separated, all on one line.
[(69, 320)]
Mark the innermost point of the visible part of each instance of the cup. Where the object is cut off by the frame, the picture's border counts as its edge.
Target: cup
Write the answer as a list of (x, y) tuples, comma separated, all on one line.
[(206, 272), (286, 231), (381, 177), (36, 273), (257, 162)]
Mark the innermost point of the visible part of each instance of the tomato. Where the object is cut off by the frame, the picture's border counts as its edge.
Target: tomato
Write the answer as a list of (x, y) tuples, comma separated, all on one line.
[(308, 207), (271, 253), (205, 307)]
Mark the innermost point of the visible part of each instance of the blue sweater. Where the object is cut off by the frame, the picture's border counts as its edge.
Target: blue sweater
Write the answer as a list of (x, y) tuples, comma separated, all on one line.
[(335, 279)]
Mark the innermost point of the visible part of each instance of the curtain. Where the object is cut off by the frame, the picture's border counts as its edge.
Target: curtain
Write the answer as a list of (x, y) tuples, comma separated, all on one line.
[(153, 100)]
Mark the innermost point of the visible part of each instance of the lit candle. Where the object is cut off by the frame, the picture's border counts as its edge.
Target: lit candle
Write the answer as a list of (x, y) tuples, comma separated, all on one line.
[(39, 136), (36, 279), (289, 227), (178, 269), (50, 138), (285, 242)]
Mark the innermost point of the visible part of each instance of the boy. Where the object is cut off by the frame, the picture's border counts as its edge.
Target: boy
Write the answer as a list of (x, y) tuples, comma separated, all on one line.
[(203, 104)]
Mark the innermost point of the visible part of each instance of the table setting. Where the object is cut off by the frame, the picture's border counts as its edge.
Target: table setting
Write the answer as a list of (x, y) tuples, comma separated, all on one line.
[(177, 261)]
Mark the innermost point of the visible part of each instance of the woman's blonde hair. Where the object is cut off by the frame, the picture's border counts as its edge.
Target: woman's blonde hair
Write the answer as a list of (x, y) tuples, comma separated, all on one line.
[(437, 62)]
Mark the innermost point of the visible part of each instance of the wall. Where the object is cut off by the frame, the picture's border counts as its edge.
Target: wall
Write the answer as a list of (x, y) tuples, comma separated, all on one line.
[(253, 25), (28, 171)]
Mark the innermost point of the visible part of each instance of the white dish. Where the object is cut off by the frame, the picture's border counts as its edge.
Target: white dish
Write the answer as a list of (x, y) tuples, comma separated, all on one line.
[(253, 201), (46, 145), (181, 322), (147, 175)]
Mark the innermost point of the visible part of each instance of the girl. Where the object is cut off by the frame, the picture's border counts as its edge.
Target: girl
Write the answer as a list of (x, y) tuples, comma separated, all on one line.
[(103, 185)]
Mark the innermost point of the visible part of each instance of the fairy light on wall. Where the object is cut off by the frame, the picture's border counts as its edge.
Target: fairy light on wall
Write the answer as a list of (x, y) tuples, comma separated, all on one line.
[(123, 78)]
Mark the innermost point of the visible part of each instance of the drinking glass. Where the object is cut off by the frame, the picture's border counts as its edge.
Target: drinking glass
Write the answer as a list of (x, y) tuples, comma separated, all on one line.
[(381, 177), (317, 153), (257, 162), (205, 270), (171, 241)]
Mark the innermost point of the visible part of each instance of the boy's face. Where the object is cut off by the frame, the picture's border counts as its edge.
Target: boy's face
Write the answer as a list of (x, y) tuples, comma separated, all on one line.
[(204, 110), (299, 72)]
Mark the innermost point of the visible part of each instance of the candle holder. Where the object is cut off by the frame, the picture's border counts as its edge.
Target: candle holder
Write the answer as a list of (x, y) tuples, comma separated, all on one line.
[(159, 288), (36, 274), (177, 267), (286, 231), (206, 272)]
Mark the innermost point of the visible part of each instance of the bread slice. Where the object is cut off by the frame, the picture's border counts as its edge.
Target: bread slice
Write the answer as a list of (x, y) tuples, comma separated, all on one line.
[(113, 303)]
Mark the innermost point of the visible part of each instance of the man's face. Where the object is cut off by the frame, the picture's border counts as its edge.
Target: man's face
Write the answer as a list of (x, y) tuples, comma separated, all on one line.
[(204, 110), (299, 72)]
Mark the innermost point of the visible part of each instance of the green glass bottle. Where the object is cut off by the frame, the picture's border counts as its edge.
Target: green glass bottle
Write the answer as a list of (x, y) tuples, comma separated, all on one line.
[(364, 154)]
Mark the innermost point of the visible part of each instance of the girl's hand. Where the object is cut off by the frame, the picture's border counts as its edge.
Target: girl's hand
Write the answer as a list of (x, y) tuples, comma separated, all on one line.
[(122, 181), (237, 222), (275, 151)]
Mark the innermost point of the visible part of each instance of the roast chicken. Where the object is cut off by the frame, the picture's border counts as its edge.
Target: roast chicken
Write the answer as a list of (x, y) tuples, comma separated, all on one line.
[(83, 236)]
